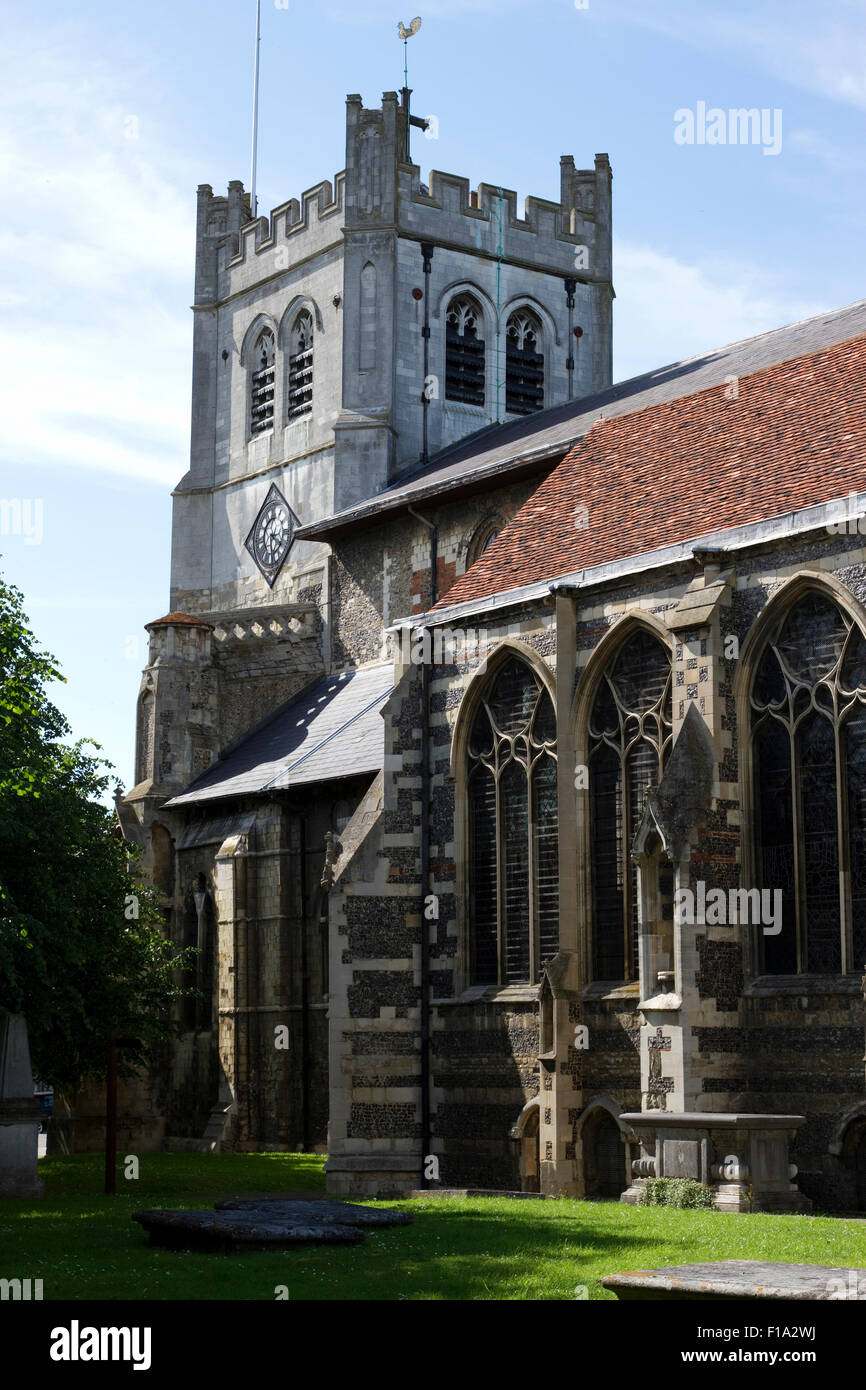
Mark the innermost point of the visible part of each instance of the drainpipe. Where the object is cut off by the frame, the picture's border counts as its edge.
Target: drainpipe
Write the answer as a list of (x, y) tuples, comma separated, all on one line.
[(427, 254), (424, 832), (570, 287), (305, 991)]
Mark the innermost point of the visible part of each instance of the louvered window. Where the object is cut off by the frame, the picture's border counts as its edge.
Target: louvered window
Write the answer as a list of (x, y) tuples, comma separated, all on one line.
[(464, 352), (524, 364), (808, 705), (629, 736), (262, 384), (301, 366), (513, 857)]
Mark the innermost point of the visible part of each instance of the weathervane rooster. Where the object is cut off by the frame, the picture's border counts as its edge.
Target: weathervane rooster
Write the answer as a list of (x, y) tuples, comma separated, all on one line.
[(413, 28)]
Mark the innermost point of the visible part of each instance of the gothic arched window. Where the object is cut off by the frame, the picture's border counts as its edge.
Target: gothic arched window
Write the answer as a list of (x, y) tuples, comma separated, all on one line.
[(524, 364), (300, 392), (629, 737), (464, 351), (484, 536), (808, 715), (262, 383), (513, 858)]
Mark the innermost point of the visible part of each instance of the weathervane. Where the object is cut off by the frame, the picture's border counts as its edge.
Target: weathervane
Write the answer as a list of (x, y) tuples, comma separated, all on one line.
[(406, 35)]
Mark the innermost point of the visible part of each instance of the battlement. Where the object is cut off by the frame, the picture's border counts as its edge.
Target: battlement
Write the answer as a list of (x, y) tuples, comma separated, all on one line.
[(449, 210), (380, 187), (384, 187), (235, 251)]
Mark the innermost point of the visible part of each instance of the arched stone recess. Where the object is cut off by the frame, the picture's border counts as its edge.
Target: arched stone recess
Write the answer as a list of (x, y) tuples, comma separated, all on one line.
[(601, 659), (480, 538), (463, 411), (163, 859), (290, 313), (458, 287), (601, 1152), (846, 1160), (509, 647), (251, 337), (367, 319), (768, 623), (548, 322), (525, 1133)]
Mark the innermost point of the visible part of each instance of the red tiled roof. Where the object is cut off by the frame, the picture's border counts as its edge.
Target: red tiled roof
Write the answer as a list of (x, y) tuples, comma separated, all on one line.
[(177, 620), (794, 436)]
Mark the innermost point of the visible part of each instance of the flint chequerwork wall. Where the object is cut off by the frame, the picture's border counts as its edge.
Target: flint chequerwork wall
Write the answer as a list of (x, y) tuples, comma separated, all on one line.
[(504, 1111)]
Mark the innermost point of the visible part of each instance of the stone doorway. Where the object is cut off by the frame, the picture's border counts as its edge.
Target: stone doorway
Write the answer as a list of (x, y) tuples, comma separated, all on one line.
[(525, 1135), (529, 1154), (603, 1157)]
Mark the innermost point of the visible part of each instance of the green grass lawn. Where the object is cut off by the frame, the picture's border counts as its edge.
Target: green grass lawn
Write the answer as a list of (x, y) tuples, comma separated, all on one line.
[(83, 1244)]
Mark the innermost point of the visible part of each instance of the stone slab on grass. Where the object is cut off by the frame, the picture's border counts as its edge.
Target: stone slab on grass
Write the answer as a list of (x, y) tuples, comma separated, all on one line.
[(239, 1224), (326, 1213), (228, 1230), (740, 1279)]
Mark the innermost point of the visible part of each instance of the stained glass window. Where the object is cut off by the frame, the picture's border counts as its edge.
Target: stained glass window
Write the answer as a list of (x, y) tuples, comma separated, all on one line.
[(808, 707), (513, 859), (629, 737)]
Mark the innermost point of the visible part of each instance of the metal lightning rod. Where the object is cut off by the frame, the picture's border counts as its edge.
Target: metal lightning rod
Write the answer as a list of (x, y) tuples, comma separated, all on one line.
[(253, 199)]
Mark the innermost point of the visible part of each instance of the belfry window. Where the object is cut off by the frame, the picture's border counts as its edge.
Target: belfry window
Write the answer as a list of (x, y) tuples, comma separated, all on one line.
[(464, 351), (513, 858), (629, 738), (808, 714), (262, 384), (301, 366), (524, 364)]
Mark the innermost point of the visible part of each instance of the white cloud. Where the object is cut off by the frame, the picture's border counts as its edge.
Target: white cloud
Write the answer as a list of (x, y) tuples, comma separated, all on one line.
[(666, 310), (99, 239), (819, 48)]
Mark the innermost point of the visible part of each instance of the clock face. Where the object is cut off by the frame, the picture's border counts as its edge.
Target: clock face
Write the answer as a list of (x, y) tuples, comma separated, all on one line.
[(271, 537)]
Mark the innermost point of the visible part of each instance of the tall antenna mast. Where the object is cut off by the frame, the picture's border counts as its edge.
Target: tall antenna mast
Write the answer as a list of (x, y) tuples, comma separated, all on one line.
[(253, 199)]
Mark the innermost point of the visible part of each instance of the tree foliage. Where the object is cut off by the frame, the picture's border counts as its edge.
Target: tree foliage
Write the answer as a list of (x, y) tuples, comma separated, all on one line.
[(82, 953)]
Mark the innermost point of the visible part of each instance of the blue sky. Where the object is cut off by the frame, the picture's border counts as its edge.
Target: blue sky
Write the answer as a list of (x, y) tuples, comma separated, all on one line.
[(112, 113)]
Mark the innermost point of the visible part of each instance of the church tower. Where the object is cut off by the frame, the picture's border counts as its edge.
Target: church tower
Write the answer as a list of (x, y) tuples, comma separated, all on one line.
[(340, 345), (360, 330)]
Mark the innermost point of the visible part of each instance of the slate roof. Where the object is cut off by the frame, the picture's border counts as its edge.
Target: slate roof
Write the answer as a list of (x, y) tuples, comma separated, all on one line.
[(523, 445), (792, 437), (332, 729)]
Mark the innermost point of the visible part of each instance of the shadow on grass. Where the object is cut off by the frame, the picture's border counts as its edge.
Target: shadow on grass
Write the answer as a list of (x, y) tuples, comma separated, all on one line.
[(85, 1245)]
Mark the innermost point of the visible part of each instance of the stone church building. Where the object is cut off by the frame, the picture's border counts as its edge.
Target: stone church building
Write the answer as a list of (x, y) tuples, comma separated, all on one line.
[(503, 749)]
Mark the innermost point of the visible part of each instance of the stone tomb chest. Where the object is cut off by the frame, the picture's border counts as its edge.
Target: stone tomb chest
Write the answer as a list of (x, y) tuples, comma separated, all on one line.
[(744, 1158)]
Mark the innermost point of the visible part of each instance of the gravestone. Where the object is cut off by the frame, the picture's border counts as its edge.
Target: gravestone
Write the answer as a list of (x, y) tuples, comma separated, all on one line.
[(720, 1280), (244, 1224), (20, 1115)]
